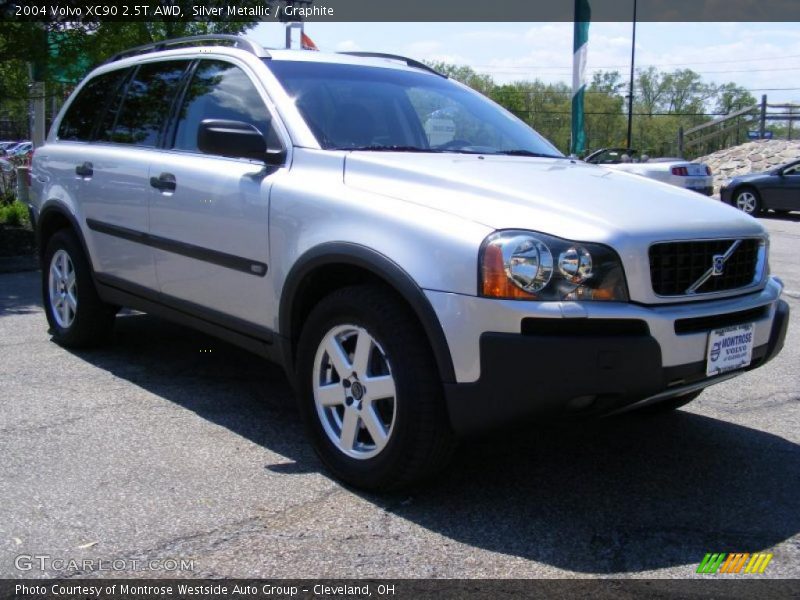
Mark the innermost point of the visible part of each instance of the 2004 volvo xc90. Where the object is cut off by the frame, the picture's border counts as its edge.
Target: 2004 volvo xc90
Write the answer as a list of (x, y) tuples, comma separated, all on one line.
[(421, 262)]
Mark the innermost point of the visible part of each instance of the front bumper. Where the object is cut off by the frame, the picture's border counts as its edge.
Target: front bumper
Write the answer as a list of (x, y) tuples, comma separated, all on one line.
[(577, 366)]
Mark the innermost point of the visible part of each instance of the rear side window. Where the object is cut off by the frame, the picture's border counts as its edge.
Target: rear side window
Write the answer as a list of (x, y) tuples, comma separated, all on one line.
[(83, 112), (147, 103), (105, 128), (219, 90)]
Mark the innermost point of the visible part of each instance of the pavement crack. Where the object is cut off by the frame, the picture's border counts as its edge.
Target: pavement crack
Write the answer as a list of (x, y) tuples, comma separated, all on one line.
[(60, 423), (766, 402), (201, 541)]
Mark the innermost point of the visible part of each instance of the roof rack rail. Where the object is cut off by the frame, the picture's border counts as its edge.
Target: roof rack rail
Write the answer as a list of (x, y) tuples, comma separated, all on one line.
[(210, 39), (409, 61)]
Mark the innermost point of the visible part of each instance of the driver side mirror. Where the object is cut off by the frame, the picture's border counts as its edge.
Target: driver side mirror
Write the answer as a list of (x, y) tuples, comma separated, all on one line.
[(236, 139)]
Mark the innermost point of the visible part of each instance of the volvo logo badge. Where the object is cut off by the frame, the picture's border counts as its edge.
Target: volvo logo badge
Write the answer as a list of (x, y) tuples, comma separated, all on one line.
[(717, 268), (718, 265), (357, 390)]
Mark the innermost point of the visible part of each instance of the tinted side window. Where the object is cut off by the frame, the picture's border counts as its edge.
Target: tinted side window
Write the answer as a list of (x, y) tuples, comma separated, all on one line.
[(219, 90), (147, 102), (82, 114), (793, 170), (106, 126)]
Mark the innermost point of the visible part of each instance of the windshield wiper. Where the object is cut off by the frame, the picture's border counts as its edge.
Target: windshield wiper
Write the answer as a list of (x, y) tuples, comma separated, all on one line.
[(398, 148), (386, 149), (528, 153)]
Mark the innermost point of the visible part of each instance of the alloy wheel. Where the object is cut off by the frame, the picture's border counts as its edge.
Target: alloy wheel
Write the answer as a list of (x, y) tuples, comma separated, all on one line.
[(354, 391), (747, 202), (63, 289)]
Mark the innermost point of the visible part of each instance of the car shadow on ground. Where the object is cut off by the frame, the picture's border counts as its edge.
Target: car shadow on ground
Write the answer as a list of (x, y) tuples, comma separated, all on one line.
[(618, 495)]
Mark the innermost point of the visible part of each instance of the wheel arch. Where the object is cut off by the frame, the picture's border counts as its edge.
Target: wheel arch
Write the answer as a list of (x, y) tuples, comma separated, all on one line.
[(53, 218), (331, 266), (747, 186)]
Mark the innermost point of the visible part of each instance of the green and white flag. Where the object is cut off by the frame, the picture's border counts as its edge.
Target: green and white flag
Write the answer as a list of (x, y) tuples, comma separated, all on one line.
[(583, 15)]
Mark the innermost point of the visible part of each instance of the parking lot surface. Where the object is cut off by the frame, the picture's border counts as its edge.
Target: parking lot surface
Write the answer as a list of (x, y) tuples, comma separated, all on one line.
[(171, 445)]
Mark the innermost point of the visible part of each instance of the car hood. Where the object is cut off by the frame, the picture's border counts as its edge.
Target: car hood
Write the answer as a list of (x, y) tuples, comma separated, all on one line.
[(751, 177), (562, 197)]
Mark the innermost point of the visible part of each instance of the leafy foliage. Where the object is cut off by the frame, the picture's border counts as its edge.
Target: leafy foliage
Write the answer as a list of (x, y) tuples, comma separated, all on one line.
[(663, 102), (13, 214), (62, 53)]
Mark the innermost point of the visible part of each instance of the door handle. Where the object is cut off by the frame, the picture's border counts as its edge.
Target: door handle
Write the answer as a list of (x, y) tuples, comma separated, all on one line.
[(84, 170), (165, 182)]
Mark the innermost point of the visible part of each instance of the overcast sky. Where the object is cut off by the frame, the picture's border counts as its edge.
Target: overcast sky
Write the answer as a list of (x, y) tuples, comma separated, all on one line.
[(754, 55)]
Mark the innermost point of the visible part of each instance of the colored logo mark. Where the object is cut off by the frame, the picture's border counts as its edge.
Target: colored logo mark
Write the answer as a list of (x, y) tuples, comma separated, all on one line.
[(734, 562)]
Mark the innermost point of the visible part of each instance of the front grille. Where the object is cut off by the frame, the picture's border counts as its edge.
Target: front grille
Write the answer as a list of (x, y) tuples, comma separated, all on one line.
[(676, 266)]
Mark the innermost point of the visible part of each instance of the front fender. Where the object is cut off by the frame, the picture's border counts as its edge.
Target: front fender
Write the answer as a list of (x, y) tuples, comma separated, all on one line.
[(338, 253)]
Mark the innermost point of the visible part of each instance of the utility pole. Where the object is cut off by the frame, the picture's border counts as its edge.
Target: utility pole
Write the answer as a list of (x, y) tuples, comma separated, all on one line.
[(630, 89), (36, 91), (37, 111)]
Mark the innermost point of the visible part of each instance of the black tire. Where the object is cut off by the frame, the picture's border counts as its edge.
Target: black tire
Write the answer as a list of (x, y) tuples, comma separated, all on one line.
[(93, 319), (666, 406), (758, 204), (421, 442)]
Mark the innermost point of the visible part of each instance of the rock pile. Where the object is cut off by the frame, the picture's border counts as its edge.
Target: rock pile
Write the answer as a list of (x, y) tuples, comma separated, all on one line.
[(752, 157)]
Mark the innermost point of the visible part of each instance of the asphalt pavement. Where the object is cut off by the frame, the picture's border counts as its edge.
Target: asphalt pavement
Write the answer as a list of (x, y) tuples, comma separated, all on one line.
[(169, 445)]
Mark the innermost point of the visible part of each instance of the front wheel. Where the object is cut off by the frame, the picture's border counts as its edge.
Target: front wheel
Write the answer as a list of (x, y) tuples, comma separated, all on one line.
[(75, 313), (370, 393), (747, 201)]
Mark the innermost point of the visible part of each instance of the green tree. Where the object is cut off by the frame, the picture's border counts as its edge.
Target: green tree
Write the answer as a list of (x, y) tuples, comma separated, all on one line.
[(604, 108), (64, 52), (610, 82), (731, 97), (466, 75)]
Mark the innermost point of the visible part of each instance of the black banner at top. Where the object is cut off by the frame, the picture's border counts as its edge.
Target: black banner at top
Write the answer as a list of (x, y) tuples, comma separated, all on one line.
[(396, 10)]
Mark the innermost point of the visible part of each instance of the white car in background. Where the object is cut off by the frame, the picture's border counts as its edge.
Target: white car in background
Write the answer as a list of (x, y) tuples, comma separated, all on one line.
[(676, 171)]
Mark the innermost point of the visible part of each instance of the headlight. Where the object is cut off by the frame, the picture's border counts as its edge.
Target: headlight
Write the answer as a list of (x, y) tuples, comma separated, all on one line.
[(524, 265)]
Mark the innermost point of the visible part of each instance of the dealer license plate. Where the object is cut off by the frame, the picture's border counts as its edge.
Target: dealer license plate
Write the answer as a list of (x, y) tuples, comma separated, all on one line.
[(729, 349)]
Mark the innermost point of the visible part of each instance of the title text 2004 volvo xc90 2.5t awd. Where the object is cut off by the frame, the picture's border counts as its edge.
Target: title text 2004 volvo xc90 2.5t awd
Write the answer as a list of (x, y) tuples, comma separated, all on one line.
[(421, 262)]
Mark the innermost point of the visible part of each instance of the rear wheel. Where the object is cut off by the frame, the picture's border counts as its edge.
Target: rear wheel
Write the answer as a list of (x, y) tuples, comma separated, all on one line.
[(370, 393), (77, 316), (666, 406), (748, 201)]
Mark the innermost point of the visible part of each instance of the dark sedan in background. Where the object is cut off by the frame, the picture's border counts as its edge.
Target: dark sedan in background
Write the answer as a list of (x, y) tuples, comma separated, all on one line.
[(777, 189)]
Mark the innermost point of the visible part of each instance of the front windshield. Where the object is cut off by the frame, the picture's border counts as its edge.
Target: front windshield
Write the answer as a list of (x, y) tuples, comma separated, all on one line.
[(354, 107)]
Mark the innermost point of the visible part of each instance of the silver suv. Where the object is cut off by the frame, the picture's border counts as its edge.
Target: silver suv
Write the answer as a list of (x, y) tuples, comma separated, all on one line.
[(421, 262)]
